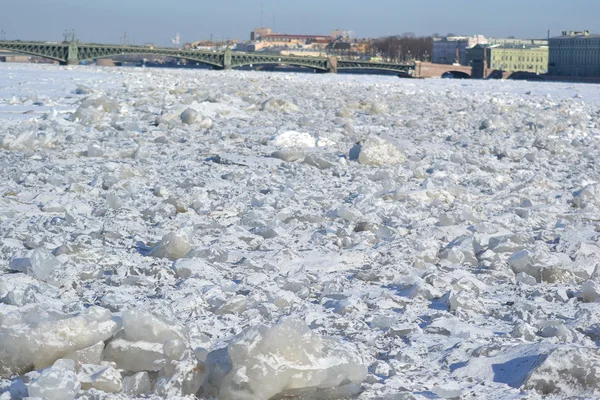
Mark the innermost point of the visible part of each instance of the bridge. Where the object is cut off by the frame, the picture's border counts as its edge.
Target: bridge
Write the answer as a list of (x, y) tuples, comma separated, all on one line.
[(74, 52), (430, 70)]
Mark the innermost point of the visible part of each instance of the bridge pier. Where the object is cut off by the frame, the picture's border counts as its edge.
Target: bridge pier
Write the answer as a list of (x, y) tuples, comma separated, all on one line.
[(227, 59), (73, 53), (332, 64)]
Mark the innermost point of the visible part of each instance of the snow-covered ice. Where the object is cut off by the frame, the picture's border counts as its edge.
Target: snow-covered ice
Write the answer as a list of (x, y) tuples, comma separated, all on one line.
[(253, 235)]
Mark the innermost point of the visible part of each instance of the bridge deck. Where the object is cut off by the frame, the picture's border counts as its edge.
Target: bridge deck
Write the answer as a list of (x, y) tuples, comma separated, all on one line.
[(74, 52)]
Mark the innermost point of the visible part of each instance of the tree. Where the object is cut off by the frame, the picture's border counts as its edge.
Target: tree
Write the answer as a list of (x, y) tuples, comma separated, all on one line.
[(402, 48)]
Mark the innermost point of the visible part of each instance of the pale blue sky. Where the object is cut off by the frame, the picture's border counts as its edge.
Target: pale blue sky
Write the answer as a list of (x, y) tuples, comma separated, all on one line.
[(158, 20)]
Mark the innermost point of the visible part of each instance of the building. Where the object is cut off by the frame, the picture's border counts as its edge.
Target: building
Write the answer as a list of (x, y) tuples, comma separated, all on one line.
[(262, 38), (341, 46), (361, 46), (575, 54), (8, 57), (340, 35), (260, 32), (516, 41), (453, 49), (478, 59), (522, 58), (505, 59), (285, 40)]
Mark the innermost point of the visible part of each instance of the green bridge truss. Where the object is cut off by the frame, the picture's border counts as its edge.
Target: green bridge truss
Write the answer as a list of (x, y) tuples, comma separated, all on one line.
[(352, 64), (250, 59), (74, 52)]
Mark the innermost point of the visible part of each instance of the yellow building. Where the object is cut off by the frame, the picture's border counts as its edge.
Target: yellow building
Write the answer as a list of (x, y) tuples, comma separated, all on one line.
[(512, 58), (361, 47)]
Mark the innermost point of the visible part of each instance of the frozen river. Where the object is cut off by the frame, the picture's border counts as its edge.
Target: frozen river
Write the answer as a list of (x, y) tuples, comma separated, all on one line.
[(254, 235)]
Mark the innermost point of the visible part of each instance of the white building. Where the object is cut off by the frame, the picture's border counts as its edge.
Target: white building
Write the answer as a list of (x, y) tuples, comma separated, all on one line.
[(453, 49)]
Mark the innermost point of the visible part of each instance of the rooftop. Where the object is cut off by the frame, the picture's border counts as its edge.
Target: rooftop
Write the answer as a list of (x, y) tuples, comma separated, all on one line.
[(519, 46), (517, 40), (282, 35), (458, 38), (577, 35), (588, 36)]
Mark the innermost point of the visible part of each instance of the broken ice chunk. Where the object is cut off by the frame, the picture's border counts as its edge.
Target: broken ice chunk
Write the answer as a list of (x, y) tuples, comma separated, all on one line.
[(89, 355), (40, 263), (567, 371), (189, 116), (137, 384), (106, 379), (134, 356), (55, 383), (94, 150), (143, 326), (184, 268), (288, 356), (174, 349), (590, 292), (293, 139), (174, 245), (378, 151), (37, 340)]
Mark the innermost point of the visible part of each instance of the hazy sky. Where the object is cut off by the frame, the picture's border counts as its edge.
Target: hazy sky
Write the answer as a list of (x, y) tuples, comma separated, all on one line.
[(157, 21)]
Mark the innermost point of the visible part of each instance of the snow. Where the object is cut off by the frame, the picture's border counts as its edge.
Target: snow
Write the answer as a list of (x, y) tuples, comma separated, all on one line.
[(253, 235), (512, 366)]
